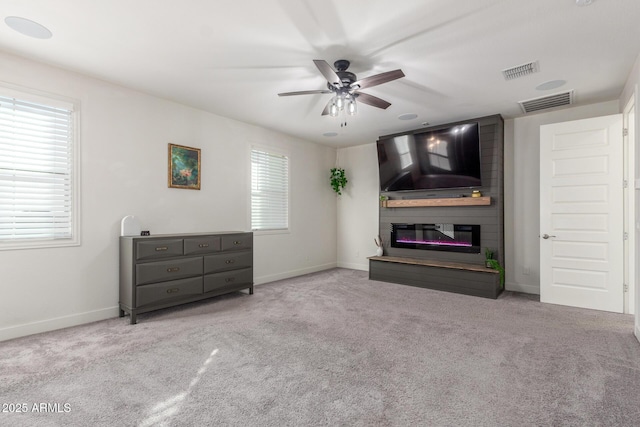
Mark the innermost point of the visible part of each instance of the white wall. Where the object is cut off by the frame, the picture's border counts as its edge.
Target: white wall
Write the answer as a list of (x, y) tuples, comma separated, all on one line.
[(358, 206), (124, 137), (522, 194)]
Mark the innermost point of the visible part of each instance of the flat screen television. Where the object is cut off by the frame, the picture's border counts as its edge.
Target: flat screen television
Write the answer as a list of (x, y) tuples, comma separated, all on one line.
[(429, 160)]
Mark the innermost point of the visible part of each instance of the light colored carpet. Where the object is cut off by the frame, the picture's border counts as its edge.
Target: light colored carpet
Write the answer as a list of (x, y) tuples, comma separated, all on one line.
[(333, 348)]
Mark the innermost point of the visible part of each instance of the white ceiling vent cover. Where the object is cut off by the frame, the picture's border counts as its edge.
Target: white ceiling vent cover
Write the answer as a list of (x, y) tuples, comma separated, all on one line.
[(520, 70), (551, 101)]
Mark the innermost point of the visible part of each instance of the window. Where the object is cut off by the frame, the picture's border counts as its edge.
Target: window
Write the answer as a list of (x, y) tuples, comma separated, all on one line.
[(439, 154), (402, 146), (269, 191), (38, 193)]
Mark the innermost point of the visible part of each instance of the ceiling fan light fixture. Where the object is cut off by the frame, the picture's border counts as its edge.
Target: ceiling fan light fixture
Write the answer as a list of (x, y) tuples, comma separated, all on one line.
[(352, 108), (333, 108)]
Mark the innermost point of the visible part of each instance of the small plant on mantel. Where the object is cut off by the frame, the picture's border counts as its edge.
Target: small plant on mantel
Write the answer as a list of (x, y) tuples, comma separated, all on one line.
[(488, 255), (489, 262), (338, 180)]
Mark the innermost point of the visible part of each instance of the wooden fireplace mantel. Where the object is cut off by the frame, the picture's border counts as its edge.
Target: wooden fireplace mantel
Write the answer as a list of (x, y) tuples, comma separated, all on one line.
[(450, 201)]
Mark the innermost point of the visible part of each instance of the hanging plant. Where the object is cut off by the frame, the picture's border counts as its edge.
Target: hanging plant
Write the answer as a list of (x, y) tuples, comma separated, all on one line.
[(338, 180)]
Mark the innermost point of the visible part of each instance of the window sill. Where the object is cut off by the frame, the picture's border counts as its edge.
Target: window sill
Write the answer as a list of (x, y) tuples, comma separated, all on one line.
[(8, 245), (271, 232)]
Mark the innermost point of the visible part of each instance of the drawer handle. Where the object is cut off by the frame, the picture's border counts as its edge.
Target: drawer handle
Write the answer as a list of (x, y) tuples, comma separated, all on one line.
[(229, 279), (203, 245), (173, 269), (173, 290), (230, 261), (161, 248), (237, 242)]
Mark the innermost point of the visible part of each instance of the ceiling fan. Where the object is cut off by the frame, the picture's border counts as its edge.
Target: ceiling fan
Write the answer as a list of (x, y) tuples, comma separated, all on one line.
[(346, 87)]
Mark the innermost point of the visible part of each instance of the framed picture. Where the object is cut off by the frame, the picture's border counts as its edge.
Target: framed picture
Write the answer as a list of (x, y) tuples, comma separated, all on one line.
[(184, 167)]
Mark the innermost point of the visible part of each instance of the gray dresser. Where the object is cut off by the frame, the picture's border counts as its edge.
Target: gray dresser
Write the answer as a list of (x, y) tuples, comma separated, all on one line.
[(166, 270)]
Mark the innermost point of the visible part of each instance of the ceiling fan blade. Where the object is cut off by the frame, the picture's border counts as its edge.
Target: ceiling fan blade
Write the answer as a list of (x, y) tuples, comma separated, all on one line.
[(378, 79), (304, 92), (325, 112), (328, 73), (372, 100)]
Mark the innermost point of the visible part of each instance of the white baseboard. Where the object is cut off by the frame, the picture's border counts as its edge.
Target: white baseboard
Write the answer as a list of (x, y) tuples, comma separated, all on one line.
[(18, 331), (57, 323), (519, 287), (353, 266), (293, 273), (637, 331)]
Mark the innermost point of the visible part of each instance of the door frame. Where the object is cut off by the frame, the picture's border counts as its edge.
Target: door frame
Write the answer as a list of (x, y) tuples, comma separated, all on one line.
[(630, 170)]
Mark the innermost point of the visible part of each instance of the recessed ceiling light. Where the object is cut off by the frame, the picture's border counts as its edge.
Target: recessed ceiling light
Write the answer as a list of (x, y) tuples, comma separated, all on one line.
[(28, 27), (330, 134), (583, 2), (551, 84), (407, 116)]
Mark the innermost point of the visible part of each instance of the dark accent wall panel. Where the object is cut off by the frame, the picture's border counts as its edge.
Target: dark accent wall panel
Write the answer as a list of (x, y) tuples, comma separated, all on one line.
[(490, 218)]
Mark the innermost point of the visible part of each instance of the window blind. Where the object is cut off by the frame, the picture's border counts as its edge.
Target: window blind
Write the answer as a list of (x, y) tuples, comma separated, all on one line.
[(36, 194), (269, 191)]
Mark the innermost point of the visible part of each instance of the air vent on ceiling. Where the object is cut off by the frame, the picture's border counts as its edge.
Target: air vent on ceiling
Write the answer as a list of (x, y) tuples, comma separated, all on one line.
[(551, 101), (520, 70)]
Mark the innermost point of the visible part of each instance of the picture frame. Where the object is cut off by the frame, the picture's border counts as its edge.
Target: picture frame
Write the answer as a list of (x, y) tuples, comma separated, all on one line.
[(184, 167)]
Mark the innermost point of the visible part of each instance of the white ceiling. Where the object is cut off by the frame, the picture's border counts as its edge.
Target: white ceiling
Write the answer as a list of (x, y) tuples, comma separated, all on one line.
[(232, 57)]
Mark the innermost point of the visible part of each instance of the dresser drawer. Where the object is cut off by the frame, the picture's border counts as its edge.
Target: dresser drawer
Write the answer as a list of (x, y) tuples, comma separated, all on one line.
[(166, 291), (161, 271), (158, 248), (201, 245), (228, 279), (236, 242), (227, 261)]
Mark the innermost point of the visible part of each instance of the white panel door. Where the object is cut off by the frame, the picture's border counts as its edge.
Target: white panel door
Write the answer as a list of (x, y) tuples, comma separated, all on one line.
[(581, 213)]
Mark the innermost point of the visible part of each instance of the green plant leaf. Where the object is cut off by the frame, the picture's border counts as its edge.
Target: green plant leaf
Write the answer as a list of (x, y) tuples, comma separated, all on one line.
[(338, 180), (496, 266)]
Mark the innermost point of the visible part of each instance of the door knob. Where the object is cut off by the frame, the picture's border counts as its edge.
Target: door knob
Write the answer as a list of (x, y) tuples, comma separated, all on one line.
[(546, 236)]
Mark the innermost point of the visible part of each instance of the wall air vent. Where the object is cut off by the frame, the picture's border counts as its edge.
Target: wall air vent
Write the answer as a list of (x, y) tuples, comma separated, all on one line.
[(551, 101), (520, 70)]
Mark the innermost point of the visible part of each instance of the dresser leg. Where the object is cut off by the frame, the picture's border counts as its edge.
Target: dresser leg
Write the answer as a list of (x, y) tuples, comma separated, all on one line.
[(121, 313), (133, 319), (251, 290)]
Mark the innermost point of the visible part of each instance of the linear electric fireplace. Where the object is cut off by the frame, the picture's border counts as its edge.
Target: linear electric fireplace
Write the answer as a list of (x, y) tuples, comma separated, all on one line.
[(437, 237)]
